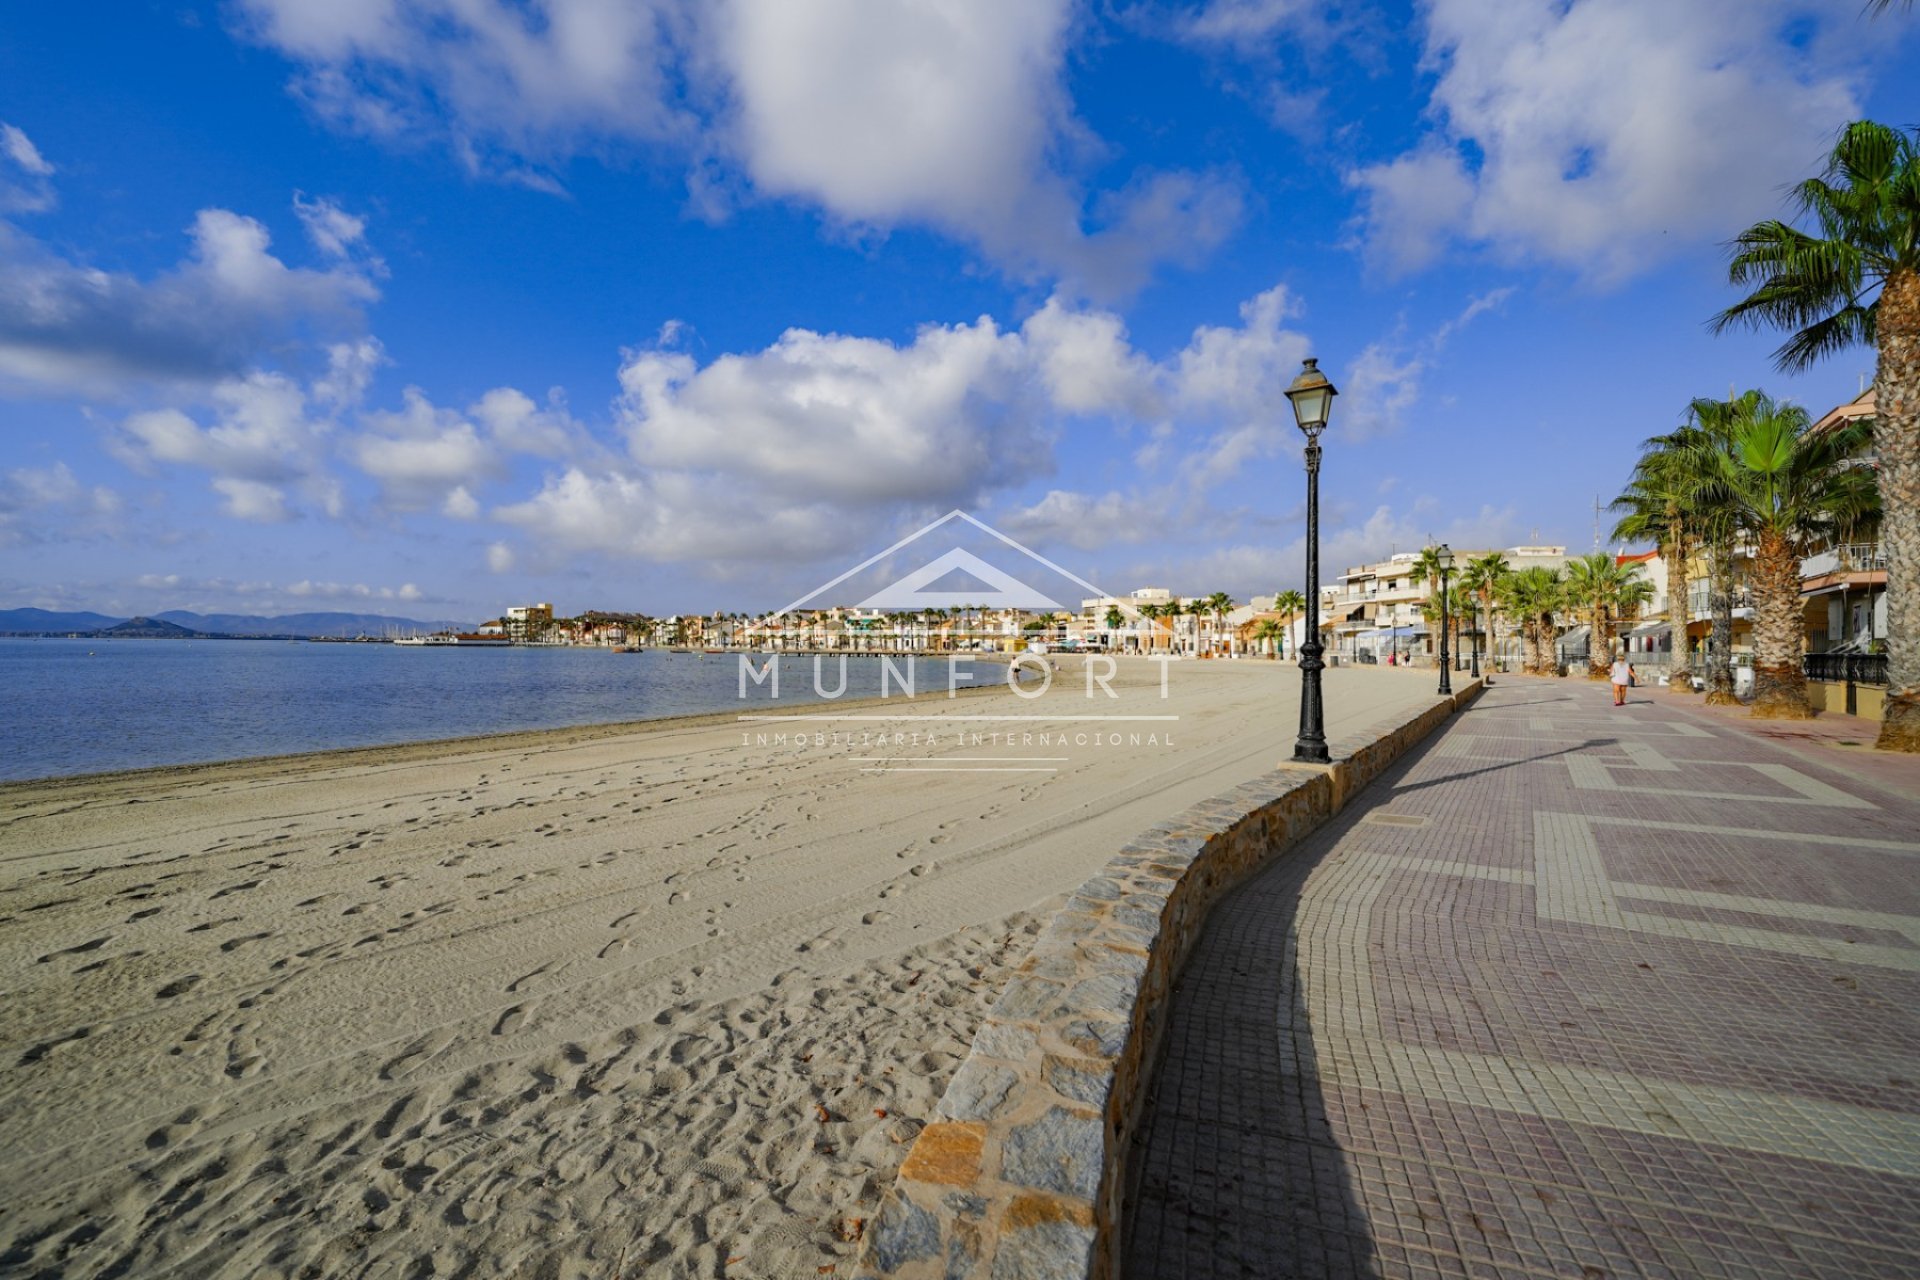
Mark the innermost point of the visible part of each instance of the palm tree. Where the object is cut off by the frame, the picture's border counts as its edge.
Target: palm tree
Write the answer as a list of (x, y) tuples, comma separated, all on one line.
[(1459, 613), (1289, 605), (1867, 208), (1268, 630), (1533, 595), (1658, 506), (1428, 567), (1594, 585), (1113, 620), (1482, 578), (1709, 429), (1219, 604), (1790, 491)]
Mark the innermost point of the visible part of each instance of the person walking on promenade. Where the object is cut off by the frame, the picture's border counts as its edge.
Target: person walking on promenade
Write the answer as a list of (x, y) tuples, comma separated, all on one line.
[(1622, 676)]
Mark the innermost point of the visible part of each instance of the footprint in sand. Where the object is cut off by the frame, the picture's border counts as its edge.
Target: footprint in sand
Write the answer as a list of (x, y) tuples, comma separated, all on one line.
[(178, 987), (142, 915), (82, 949), (48, 1047), (242, 887), (181, 1126), (876, 917), (511, 1021), (525, 978), (416, 1055), (244, 1057)]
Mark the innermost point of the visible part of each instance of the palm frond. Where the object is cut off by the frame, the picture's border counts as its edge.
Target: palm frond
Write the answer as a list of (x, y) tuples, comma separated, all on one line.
[(1848, 327)]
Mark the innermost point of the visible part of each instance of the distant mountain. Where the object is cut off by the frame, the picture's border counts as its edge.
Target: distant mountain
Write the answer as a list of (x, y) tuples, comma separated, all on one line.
[(342, 625), (147, 629), (41, 621), (346, 625)]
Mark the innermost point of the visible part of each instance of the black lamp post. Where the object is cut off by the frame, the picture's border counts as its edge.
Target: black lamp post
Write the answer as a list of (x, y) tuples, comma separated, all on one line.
[(1312, 396), (1444, 558)]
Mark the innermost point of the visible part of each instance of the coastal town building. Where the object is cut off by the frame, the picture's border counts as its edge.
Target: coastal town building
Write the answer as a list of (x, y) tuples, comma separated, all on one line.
[(527, 623), (1377, 613)]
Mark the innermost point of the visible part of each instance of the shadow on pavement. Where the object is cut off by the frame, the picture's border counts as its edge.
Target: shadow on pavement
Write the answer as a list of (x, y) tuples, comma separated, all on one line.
[(1588, 745), (1236, 1169)]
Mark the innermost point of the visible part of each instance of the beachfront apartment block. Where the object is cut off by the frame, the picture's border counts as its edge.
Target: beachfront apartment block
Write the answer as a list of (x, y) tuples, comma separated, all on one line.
[(1376, 611), (527, 623)]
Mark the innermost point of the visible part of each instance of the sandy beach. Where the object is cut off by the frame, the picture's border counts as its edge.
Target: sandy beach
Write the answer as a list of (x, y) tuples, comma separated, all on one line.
[(661, 1000)]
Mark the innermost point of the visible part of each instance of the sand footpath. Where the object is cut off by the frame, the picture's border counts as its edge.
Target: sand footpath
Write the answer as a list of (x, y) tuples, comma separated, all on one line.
[(664, 1000)]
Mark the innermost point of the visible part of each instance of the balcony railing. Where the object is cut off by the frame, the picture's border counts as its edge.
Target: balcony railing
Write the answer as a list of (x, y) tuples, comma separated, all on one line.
[(1854, 557), (1700, 603), (1852, 668)]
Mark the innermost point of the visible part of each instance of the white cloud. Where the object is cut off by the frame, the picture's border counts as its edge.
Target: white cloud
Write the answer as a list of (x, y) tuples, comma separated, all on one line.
[(1379, 388), (460, 505), (24, 174), (822, 417), (309, 590), (500, 557), (38, 504), (19, 148), (261, 432), (1607, 132), (252, 499), (501, 82), (1088, 364), (951, 114), (1250, 22), (797, 449), (1244, 569), (423, 456), (230, 302), (333, 230), (1084, 520), (521, 426), (350, 370), (1238, 377)]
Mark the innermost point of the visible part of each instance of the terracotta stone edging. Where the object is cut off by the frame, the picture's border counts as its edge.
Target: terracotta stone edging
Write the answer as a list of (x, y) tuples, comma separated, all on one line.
[(1021, 1171)]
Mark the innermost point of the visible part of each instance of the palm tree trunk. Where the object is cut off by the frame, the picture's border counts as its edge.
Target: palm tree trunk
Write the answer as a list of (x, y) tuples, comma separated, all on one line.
[(1720, 642), (1779, 633), (1679, 614), (1896, 439), (1599, 648)]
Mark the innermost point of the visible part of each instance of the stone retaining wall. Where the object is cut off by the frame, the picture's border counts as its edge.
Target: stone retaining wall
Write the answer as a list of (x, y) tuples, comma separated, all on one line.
[(1021, 1171)]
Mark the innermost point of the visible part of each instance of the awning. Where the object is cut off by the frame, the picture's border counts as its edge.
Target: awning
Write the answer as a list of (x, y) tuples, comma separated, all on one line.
[(1649, 629), (1860, 588)]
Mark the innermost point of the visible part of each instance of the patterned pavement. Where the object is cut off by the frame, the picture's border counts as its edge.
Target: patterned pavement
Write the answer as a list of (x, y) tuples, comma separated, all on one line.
[(1573, 992)]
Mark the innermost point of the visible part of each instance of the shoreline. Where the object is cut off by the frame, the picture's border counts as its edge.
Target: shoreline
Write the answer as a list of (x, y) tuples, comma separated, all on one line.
[(468, 744)]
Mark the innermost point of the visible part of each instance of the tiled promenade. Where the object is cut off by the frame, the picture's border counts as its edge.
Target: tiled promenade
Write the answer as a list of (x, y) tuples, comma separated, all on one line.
[(1573, 992)]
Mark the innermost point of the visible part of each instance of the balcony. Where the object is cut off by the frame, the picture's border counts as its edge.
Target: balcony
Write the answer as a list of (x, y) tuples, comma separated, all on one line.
[(1700, 603), (1852, 557)]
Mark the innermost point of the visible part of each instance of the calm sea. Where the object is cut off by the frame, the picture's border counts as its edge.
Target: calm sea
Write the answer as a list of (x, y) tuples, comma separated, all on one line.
[(85, 706)]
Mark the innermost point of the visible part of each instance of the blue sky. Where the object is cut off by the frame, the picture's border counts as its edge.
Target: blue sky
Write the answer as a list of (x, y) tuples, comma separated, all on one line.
[(427, 308)]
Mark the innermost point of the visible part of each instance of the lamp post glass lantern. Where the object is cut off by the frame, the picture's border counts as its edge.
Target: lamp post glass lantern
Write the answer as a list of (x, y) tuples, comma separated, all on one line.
[(1443, 557), (1312, 397)]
